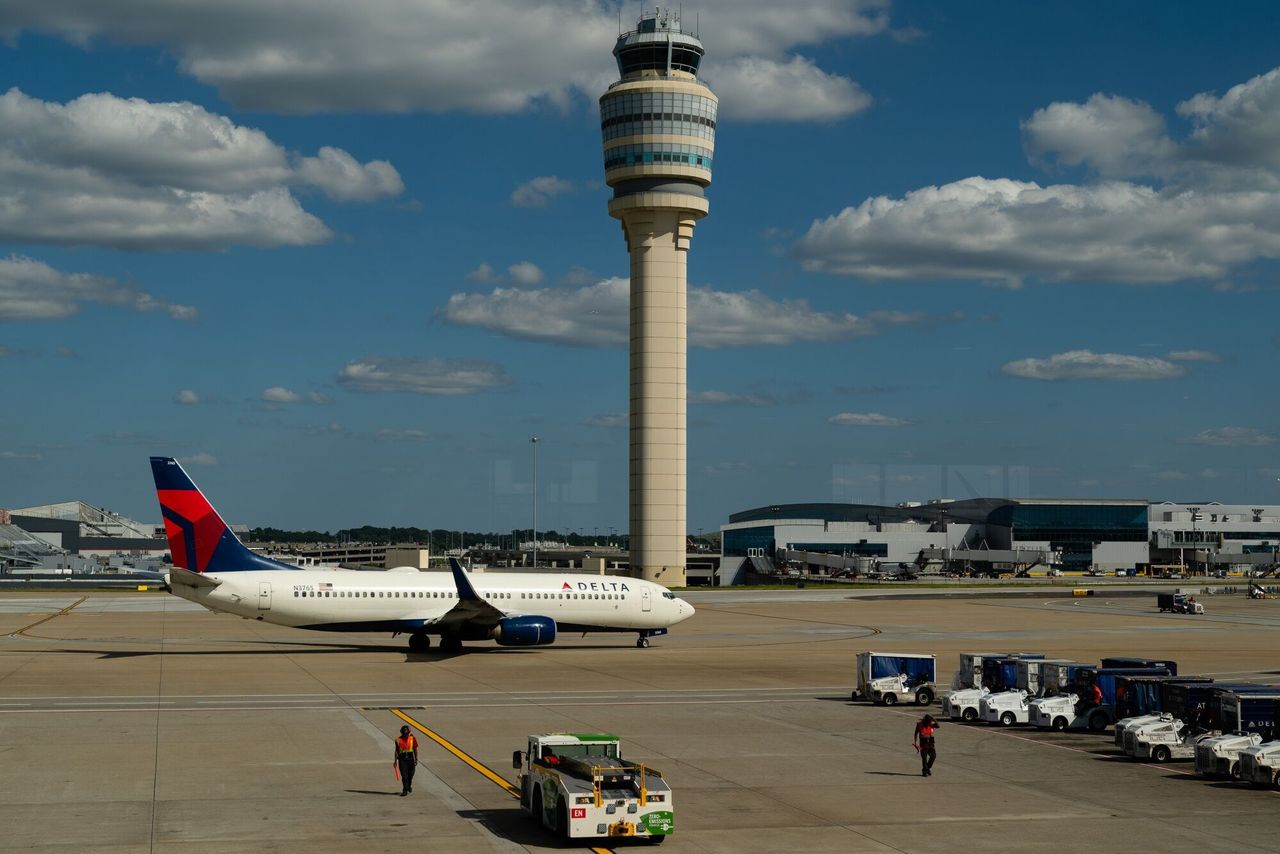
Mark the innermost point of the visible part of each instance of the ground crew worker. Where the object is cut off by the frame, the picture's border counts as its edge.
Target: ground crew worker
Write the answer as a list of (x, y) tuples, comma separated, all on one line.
[(923, 741), (406, 759)]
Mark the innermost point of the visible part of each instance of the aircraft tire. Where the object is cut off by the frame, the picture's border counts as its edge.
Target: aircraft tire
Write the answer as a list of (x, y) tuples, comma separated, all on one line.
[(419, 642), (449, 643), (642, 643)]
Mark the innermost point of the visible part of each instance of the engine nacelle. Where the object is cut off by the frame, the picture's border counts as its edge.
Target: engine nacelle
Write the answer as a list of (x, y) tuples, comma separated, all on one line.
[(525, 631)]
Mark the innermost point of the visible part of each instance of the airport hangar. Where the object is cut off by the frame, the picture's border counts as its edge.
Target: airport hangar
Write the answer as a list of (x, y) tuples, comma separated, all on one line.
[(996, 534)]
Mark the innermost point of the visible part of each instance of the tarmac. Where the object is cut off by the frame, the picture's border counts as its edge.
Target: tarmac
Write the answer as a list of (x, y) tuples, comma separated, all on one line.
[(139, 722)]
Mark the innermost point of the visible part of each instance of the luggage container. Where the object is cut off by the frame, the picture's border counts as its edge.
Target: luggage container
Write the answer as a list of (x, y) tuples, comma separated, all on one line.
[(1001, 674), (1031, 673), (887, 677), (1068, 711), (1057, 677), (1121, 661)]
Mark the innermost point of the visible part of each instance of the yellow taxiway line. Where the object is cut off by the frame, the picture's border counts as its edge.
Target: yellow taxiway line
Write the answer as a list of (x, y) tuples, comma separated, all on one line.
[(47, 618)]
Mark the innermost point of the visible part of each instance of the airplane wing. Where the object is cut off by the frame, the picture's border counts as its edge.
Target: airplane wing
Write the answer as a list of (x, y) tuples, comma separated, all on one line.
[(472, 609)]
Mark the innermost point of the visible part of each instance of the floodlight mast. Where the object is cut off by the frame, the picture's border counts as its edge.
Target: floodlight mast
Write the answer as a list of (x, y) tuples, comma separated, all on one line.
[(658, 122)]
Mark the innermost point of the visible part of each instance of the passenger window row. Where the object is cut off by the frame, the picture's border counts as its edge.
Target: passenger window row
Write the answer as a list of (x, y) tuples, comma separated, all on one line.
[(436, 594)]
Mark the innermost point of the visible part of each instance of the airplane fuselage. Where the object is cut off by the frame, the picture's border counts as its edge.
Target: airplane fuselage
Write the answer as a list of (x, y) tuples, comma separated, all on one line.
[(410, 601)]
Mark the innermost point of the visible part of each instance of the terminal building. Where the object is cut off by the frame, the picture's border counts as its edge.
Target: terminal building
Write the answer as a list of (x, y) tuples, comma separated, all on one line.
[(996, 536)]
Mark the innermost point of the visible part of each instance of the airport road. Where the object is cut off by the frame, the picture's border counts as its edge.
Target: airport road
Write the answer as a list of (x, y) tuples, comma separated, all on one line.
[(133, 722)]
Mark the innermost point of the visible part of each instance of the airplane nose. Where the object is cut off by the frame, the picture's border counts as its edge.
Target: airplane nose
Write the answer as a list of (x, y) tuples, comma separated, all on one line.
[(686, 610)]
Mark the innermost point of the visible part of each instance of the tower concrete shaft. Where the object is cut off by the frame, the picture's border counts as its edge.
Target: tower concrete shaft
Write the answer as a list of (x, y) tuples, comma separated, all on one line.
[(658, 123)]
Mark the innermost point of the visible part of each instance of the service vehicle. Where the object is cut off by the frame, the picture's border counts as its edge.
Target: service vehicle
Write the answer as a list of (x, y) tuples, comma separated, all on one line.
[(970, 673), (1006, 708), (1165, 740), (1219, 755), (1178, 603), (1057, 677), (578, 785), (888, 677), (1260, 764), (1066, 711), (1124, 725), (965, 704)]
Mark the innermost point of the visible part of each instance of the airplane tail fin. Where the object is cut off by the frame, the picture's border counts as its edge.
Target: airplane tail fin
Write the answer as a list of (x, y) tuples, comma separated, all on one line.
[(198, 538)]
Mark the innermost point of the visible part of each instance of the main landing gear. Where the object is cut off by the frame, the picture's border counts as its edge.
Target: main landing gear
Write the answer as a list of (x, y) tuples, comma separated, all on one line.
[(419, 642)]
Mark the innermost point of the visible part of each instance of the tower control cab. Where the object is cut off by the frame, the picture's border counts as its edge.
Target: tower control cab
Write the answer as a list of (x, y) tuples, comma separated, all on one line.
[(578, 785)]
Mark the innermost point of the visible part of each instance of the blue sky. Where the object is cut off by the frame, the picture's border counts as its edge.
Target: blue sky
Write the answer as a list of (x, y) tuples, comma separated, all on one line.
[(345, 260)]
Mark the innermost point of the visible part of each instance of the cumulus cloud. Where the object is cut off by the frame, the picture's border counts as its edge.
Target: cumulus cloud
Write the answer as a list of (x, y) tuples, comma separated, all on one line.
[(538, 192), (525, 273), (867, 419), (20, 455), (280, 394), (1192, 356), (32, 290), (598, 315), (483, 274), (1213, 207), (133, 174), (340, 176), (199, 459), (487, 56), (421, 376), (755, 88), (1087, 365), (1234, 437), (725, 398), (612, 420), (186, 397)]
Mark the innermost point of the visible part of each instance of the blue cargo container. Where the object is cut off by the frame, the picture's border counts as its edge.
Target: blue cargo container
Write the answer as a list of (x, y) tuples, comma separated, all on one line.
[(1250, 712), (1105, 678), (1001, 674), (1144, 695), (1212, 716), (1142, 663)]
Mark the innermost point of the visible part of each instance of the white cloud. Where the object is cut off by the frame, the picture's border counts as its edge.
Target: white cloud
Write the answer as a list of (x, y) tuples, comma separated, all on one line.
[(414, 436), (1210, 474), (340, 176), (1192, 356), (482, 275), (199, 459), (186, 397), (280, 394), (1170, 475), (1214, 207), (32, 290), (611, 420), (421, 376), (1087, 365), (525, 273), (132, 174), (19, 455), (725, 398), (487, 56), (867, 419), (755, 88), (598, 315), (538, 192), (1234, 437)]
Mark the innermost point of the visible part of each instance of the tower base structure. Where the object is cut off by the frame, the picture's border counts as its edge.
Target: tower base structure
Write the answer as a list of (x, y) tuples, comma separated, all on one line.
[(658, 228)]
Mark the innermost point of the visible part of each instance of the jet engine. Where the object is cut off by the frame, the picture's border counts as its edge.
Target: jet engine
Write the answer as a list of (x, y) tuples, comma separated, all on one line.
[(525, 631)]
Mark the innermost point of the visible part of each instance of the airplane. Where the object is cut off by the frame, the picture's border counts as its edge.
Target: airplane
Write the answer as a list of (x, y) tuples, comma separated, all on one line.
[(212, 568)]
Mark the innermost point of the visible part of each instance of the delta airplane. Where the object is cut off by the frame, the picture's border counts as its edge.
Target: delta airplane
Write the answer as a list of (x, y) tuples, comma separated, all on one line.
[(211, 567)]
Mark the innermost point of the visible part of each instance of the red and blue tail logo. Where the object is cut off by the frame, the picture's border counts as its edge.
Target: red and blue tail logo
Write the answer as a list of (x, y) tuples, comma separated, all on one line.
[(198, 538)]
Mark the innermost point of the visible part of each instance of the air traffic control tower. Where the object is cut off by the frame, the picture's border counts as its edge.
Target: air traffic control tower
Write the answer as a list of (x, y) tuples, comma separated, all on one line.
[(659, 128)]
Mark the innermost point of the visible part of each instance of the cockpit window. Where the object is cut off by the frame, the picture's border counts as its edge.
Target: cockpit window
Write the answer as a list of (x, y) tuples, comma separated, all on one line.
[(667, 594)]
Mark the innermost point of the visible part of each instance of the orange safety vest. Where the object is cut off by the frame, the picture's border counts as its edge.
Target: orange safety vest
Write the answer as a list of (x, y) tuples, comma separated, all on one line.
[(405, 746)]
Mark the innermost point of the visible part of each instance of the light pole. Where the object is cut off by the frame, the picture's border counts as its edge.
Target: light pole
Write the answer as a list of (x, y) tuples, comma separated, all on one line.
[(534, 442)]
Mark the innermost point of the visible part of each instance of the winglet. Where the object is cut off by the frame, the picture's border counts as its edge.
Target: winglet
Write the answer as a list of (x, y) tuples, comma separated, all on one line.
[(465, 590)]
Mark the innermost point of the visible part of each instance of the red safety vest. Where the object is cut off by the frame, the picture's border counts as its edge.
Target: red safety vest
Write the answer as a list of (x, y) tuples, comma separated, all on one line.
[(406, 745)]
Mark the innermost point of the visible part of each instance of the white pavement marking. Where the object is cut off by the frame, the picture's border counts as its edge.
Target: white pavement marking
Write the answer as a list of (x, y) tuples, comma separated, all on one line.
[(435, 787)]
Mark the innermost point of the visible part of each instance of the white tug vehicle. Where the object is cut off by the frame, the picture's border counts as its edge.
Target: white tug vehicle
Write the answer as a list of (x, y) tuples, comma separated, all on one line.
[(1260, 764), (963, 704), (578, 785), (1164, 740), (1059, 713), (1006, 708), (1124, 726), (1219, 755)]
